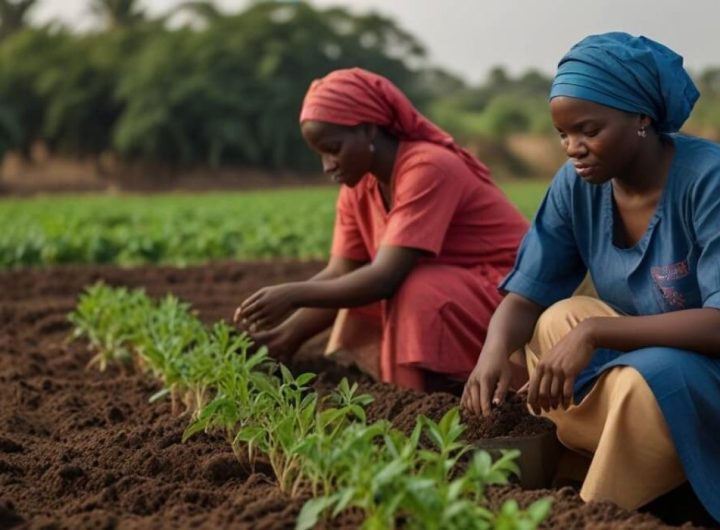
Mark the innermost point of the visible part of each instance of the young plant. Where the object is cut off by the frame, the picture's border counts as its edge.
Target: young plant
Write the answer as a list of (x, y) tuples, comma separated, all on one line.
[(109, 318), (279, 432), (321, 450)]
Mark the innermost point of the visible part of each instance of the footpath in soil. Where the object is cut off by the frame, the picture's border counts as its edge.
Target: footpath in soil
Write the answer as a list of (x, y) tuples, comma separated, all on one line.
[(80, 449)]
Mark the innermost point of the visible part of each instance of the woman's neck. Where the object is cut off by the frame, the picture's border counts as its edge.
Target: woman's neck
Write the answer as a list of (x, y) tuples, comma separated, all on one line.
[(649, 170), (386, 147)]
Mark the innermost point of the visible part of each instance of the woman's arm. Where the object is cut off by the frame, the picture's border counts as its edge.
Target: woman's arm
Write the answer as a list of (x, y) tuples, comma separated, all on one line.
[(552, 383), (696, 330), (370, 283), (511, 327), (285, 339)]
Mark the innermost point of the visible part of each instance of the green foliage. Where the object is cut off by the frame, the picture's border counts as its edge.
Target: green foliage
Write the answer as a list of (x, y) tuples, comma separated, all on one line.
[(324, 444), (500, 107), (181, 229), (116, 14), (171, 229), (110, 319), (23, 57), (226, 92), (13, 16)]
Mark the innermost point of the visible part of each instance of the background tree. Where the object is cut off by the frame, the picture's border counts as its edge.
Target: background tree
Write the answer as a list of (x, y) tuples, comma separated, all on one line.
[(14, 16), (116, 14)]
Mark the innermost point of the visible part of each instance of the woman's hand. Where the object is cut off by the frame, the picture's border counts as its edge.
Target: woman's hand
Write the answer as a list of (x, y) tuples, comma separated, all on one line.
[(280, 342), (488, 383), (553, 380), (267, 307)]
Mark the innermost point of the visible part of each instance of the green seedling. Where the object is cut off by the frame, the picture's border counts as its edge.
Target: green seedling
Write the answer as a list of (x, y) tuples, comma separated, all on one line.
[(326, 445), (109, 319)]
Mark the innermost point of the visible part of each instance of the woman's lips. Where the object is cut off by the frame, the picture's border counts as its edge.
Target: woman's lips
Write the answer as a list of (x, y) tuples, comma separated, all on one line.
[(584, 170)]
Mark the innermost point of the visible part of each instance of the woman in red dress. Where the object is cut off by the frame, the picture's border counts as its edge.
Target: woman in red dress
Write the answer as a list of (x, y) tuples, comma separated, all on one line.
[(422, 237)]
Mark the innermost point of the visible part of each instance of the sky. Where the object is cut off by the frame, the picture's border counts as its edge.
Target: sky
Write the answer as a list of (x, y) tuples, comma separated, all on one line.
[(469, 37)]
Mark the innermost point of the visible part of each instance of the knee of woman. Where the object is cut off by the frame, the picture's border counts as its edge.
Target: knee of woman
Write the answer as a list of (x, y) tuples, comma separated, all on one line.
[(628, 384), (554, 323), (418, 289)]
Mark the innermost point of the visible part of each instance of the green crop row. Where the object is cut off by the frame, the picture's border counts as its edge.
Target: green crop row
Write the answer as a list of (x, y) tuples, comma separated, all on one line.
[(180, 229), (170, 229), (321, 447)]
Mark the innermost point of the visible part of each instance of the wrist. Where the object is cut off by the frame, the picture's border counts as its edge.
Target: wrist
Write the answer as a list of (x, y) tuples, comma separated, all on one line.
[(592, 331), (296, 295)]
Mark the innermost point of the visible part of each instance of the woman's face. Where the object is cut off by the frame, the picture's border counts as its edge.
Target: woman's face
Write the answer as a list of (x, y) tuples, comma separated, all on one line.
[(345, 152), (602, 142)]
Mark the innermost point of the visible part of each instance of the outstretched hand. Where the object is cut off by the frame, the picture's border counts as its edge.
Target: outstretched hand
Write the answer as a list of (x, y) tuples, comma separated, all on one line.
[(267, 307), (280, 343)]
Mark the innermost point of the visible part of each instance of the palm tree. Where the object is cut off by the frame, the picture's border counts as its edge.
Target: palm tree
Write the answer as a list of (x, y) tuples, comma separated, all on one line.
[(13, 15), (117, 13)]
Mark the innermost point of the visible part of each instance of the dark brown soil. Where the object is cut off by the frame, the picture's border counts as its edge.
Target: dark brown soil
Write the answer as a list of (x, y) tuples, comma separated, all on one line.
[(81, 449)]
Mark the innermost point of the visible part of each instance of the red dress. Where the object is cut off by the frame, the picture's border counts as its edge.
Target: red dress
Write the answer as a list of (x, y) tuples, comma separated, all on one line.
[(437, 320)]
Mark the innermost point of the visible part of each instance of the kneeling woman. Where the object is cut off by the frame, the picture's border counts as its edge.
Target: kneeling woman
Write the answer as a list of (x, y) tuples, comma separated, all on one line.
[(639, 207), (422, 236)]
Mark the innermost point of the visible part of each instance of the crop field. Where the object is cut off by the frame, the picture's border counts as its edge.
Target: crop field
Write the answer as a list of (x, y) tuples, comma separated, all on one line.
[(128, 402), (180, 229)]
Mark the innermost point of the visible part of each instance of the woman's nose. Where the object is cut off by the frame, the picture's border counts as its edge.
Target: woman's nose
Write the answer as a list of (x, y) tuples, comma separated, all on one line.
[(329, 164), (574, 148)]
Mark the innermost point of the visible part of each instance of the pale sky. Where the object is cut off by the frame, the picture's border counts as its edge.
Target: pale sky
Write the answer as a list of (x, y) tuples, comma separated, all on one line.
[(468, 37)]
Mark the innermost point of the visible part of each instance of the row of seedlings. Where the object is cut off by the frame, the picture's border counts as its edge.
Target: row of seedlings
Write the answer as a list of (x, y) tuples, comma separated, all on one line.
[(319, 447)]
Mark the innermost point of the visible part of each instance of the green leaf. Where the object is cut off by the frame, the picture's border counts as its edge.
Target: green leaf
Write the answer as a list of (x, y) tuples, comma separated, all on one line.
[(311, 511)]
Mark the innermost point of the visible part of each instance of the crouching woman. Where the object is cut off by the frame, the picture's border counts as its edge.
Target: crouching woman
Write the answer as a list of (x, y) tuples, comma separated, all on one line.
[(422, 237), (632, 378)]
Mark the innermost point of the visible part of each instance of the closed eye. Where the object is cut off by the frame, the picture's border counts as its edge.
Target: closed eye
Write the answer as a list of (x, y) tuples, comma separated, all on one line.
[(331, 148)]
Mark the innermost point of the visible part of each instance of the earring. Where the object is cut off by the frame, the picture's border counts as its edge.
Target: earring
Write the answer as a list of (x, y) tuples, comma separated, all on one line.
[(642, 132), (372, 147)]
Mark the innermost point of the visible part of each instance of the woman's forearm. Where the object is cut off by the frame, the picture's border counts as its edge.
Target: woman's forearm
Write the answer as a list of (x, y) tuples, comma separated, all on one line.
[(373, 282), (512, 325), (307, 322), (358, 288), (696, 330)]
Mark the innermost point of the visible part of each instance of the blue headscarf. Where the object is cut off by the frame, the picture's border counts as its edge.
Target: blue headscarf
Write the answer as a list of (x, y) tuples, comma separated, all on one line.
[(634, 74)]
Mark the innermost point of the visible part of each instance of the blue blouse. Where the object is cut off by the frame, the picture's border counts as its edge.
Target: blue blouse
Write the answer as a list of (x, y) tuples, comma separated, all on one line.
[(675, 265)]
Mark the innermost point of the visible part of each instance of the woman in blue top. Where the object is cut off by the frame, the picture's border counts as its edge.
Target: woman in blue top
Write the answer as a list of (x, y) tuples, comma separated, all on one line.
[(631, 378)]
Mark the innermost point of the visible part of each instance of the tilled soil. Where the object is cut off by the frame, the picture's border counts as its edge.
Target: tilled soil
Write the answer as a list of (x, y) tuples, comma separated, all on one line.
[(80, 449)]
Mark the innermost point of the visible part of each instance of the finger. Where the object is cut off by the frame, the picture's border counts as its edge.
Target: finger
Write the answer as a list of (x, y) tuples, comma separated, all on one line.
[(463, 397), (236, 316), (249, 307), (534, 387), (544, 391), (523, 389), (568, 388), (501, 390), (475, 404), (487, 389), (556, 389), (254, 312), (250, 300)]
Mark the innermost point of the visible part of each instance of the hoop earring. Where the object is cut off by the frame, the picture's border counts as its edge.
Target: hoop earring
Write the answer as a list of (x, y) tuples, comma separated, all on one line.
[(642, 132)]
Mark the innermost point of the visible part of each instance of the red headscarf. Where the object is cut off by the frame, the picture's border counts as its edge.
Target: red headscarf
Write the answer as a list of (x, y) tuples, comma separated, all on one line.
[(354, 96)]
